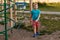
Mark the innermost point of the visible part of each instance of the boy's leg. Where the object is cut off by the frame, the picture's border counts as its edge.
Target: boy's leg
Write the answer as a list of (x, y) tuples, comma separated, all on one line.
[(34, 28), (37, 27)]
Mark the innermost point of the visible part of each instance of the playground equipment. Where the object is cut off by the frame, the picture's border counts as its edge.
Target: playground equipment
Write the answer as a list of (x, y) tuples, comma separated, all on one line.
[(21, 5), (7, 6)]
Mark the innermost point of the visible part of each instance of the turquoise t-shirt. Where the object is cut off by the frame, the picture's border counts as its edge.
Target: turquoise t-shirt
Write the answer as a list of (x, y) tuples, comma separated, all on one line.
[(35, 14)]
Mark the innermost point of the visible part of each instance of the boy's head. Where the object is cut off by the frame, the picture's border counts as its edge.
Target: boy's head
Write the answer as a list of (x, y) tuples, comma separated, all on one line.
[(35, 6)]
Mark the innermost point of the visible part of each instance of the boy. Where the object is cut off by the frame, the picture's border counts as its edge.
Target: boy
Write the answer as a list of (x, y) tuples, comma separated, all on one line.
[(35, 14)]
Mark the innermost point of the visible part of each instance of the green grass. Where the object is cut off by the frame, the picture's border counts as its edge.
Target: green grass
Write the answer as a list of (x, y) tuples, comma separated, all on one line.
[(51, 25), (50, 7)]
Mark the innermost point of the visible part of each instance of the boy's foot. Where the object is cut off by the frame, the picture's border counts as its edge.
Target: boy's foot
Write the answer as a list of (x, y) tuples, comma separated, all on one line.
[(34, 35), (37, 33)]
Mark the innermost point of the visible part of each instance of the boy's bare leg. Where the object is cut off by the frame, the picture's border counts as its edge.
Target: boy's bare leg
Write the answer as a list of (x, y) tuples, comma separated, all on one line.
[(37, 28), (34, 29)]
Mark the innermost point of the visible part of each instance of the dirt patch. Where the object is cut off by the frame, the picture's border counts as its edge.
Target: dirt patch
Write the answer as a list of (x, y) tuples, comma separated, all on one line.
[(27, 35)]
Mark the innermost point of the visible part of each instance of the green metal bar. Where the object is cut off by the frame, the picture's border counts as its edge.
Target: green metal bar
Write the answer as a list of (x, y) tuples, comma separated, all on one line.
[(1, 32), (6, 34)]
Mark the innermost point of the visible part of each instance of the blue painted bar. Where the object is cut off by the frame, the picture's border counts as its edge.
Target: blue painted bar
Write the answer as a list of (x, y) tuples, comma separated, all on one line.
[(21, 3)]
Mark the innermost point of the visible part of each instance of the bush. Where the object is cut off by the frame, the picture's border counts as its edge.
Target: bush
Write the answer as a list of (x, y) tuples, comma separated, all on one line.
[(42, 4)]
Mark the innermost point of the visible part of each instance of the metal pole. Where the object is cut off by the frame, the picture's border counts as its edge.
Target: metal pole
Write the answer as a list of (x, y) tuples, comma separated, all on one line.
[(6, 34)]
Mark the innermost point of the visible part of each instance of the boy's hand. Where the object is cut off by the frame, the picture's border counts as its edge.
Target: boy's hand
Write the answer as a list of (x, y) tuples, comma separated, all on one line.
[(36, 20), (31, 21)]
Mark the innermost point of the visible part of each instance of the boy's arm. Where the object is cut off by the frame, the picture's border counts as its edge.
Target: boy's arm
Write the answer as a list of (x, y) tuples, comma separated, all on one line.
[(30, 17)]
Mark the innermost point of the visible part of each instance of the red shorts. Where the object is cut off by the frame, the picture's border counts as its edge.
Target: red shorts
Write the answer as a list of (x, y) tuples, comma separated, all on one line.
[(35, 24)]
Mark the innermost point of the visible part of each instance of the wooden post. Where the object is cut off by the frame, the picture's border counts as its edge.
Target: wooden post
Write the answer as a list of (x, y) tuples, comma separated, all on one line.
[(2, 7), (30, 5), (24, 0), (1, 3), (37, 1), (47, 2), (11, 14), (15, 17), (8, 2)]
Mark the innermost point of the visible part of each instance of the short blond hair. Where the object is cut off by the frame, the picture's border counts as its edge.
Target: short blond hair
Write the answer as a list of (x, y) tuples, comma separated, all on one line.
[(35, 4)]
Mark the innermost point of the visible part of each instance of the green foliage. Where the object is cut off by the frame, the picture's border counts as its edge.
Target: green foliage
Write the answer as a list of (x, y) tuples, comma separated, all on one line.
[(51, 25), (49, 6), (42, 4)]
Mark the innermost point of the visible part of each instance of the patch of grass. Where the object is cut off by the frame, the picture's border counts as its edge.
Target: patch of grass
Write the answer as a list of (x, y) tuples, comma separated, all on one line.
[(50, 7), (50, 25)]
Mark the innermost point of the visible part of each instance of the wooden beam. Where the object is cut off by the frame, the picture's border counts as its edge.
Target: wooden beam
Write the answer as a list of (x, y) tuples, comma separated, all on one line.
[(2, 7), (24, 0), (15, 17), (8, 2), (30, 5), (11, 14)]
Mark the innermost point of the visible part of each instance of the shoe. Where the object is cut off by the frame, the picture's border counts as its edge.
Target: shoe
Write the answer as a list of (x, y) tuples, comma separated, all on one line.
[(34, 35), (37, 33)]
